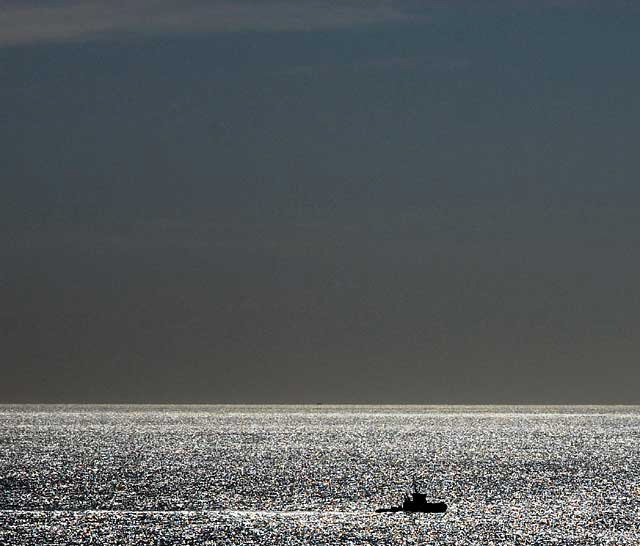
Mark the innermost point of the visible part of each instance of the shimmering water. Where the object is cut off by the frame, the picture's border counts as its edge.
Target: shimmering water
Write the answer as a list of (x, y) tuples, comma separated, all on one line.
[(315, 474)]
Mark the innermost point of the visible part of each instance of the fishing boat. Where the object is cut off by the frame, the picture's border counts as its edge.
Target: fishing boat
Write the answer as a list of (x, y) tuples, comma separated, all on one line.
[(416, 502)]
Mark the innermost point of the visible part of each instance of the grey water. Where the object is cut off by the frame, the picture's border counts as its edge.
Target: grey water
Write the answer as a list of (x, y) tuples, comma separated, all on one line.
[(315, 474)]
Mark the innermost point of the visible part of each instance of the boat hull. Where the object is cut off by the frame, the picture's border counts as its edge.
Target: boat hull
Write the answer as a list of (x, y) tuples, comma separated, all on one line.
[(429, 508)]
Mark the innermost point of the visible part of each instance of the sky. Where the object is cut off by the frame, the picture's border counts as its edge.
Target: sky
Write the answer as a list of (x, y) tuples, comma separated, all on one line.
[(260, 201)]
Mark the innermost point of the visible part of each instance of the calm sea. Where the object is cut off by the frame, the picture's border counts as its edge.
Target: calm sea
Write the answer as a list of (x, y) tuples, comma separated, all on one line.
[(315, 474)]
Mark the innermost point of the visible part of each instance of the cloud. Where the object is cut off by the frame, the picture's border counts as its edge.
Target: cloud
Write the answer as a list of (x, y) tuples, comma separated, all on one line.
[(32, 21)]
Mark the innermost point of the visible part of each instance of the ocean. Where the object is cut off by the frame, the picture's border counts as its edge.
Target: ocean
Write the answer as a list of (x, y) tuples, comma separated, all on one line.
[(245, 475)]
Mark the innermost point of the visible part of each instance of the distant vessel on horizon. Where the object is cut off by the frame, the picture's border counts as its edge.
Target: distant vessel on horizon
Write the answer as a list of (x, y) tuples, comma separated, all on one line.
[(416, 502)]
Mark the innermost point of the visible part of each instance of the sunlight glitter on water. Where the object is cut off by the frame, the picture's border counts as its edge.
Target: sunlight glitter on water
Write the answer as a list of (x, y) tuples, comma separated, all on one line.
[(315, 475)]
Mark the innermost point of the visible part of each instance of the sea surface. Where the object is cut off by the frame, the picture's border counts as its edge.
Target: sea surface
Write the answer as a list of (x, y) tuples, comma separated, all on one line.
[(315, 474)]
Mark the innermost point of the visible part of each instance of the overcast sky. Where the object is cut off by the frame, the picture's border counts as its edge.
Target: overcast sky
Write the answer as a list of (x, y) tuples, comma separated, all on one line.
[(383, 201)]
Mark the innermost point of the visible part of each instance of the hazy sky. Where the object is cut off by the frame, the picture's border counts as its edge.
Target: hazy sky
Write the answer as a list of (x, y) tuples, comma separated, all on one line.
[(319, 201)]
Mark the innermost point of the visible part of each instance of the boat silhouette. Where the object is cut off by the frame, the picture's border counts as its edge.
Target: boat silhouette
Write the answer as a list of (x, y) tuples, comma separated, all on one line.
[(416, 502)]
